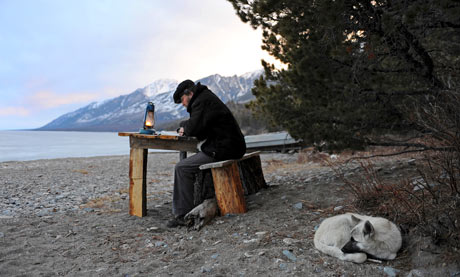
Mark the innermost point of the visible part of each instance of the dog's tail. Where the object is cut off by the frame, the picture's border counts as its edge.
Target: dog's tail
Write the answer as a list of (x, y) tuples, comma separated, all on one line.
[(336, 252)]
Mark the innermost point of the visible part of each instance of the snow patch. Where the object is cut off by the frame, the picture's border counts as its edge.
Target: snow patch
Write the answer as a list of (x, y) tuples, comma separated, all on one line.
[(159, 86)]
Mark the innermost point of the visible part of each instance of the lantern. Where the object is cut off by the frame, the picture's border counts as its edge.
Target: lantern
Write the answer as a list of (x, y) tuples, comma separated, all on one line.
[(149, 120)]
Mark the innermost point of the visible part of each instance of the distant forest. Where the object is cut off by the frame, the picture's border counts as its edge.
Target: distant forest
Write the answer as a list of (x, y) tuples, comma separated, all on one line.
[(249, 123)]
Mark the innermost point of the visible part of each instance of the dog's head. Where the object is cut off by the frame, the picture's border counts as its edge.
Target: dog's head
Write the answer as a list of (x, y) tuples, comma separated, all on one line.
[(364, 239)]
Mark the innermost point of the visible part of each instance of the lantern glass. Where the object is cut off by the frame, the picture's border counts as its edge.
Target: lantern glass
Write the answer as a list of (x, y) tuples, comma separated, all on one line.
[(149, 120)]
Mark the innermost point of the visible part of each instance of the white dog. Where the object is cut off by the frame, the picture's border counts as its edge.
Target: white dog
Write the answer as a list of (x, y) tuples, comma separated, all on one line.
[(354, 237)]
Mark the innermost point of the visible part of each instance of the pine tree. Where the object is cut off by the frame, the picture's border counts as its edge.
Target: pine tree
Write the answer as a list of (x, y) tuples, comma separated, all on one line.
[(353, 67)]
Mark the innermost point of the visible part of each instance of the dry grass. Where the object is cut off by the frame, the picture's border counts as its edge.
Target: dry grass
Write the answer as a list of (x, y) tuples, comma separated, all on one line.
[(429, 203), (82, 171), (272, 166), (100, 202)]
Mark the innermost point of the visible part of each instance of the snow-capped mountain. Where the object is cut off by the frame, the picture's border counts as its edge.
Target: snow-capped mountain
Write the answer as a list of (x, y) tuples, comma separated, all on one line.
[(160, 86), (126, 112)]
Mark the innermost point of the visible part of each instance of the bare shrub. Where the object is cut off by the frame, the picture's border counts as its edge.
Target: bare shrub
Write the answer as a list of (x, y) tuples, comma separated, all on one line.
[(418, 203), (312, 155), (429, 203)]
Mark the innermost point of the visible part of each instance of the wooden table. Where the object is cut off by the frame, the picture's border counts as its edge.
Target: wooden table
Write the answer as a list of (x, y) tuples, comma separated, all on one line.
[(139, 145)]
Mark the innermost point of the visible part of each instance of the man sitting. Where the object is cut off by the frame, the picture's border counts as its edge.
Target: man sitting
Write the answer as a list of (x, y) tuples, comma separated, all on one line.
[(213, 124)]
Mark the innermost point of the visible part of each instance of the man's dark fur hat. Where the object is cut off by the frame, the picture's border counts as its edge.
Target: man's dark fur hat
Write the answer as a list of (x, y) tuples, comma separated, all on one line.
[(180, 90)]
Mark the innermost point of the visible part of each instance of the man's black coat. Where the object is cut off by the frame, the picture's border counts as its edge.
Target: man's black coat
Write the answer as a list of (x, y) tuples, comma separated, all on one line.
[(210, 119)]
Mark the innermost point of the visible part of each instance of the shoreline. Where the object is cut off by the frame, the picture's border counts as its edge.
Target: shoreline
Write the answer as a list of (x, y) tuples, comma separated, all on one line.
[(156, 151)]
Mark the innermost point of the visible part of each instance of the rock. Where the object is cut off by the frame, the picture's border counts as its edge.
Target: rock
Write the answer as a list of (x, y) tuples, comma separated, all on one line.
[(205, 269), (289, 241), (250, 240), (283, 266), (260, 234), (416, 273), (214, 256), (338, 208), (153, 228), (5, 217), (421, 184), (389, 271), (298, 206), (7, 212), (289, 255), (43, 212), (160, 244), (148, 243)]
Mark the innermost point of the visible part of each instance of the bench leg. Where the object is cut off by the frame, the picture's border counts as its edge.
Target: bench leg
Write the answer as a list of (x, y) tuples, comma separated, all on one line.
[(137, 182), (229, 190)]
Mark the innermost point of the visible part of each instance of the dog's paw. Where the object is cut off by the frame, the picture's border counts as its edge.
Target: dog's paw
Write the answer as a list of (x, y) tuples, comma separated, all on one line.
[(358, 258)]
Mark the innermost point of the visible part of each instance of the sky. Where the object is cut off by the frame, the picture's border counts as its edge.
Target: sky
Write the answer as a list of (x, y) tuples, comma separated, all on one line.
[(59, 55)]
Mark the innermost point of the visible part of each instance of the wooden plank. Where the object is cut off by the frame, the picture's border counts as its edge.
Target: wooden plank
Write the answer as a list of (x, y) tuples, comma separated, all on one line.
[(137, 182), (124, 134), (227, 162), (149, 143), (228, 189), (138, 135), (157, 137)]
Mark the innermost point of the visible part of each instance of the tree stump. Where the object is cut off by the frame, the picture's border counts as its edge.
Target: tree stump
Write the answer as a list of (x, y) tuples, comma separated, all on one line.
[(252, 176), (248, 171), (203, 188)]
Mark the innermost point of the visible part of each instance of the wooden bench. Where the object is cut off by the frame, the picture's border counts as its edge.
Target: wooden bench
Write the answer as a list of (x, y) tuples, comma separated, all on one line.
[(235, 178)]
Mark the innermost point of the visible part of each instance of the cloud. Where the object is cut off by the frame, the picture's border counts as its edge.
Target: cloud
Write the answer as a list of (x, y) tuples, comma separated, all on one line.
[(57, 56), (14, 111), (48, 99)]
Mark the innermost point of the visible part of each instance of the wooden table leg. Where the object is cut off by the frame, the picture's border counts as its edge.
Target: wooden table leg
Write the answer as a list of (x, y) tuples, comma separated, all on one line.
[(138, 182)]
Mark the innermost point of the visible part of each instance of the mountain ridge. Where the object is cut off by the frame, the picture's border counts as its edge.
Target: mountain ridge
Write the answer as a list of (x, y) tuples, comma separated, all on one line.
[(126, 112)]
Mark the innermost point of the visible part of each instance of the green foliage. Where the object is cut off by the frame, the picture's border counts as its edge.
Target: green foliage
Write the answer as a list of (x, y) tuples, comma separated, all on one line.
[(352, 67)]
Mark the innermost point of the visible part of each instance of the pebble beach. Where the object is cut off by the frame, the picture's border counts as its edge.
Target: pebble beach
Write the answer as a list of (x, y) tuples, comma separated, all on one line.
[(69, 217)]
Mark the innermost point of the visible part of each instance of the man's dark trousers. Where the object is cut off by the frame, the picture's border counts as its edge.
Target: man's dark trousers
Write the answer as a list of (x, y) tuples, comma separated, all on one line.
[(184, 178)]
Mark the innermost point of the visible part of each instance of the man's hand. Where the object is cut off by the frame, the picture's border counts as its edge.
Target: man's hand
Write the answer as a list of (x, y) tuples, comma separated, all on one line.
[(180, 131)]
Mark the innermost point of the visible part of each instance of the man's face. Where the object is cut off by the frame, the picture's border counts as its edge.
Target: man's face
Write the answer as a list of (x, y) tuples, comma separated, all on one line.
[(185, 99)]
